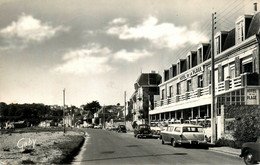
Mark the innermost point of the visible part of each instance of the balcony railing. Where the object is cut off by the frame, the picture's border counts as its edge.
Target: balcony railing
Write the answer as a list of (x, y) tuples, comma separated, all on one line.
[(205, 91), (223, 86)]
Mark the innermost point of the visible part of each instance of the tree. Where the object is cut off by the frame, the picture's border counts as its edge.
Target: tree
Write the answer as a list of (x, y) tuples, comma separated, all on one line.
[(92, 107)]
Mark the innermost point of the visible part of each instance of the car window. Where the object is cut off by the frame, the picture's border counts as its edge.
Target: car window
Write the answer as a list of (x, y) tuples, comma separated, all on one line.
[(154, 125), (143, 126), (171, 129), (177, 129), (192, 129)]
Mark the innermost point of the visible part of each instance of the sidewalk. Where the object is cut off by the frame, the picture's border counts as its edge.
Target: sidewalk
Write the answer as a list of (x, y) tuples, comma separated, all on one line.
[(226, 150)]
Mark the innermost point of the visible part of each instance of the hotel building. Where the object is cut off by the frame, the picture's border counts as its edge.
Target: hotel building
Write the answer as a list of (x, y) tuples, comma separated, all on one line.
[(185, 92)]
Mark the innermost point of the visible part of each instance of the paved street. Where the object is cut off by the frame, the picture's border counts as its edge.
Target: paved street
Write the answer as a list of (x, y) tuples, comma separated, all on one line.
[(107, 147)]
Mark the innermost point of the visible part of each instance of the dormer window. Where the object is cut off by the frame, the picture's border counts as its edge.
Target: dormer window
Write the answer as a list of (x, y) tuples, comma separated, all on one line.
[(200, 55), (220, 38), (239, 31), (202, 52), (242, 26), (188, 62), (217, 41)]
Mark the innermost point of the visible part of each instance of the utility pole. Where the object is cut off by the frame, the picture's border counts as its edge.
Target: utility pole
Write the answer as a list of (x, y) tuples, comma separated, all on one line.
[(103, 116), (125, 106), (213, 111), (64, 110)]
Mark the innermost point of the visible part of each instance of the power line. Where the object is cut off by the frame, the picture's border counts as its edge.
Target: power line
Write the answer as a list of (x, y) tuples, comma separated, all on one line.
[(221, 21)]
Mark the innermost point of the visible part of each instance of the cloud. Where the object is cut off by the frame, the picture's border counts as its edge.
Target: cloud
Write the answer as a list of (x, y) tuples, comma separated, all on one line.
[(162, 35), (132, 56), (28, 28), (118, 21), (85, 61)]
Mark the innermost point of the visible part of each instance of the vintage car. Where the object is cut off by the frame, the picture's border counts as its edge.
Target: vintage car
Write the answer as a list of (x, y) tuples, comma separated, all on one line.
[(183, 134), (98, 126), (121, 128), (142, 130), (251, 152), (156, 130)]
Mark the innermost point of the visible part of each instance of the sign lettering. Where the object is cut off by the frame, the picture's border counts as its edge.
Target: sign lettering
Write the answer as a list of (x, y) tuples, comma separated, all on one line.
[(191, 73)]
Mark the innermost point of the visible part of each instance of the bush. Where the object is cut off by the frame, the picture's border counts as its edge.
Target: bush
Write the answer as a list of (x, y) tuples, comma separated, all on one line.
[(229, 143), (247, 129)]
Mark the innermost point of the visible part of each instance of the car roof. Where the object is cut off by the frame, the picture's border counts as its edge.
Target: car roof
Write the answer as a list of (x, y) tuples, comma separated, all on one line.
[(184, 125)]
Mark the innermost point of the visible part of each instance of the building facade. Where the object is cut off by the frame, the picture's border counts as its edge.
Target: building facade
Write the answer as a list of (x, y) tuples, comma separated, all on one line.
[(185, 92), (142, 100)]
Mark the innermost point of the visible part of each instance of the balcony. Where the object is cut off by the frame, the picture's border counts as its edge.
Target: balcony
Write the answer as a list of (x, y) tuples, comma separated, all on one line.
[(246, 79)]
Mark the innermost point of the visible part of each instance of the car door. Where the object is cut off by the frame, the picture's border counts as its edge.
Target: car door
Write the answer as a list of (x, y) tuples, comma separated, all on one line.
[(177, 131), (164, 134), (169, 133)]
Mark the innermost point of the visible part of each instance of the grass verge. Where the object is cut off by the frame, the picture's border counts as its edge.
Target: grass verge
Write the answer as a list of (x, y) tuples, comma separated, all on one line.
[(69, 149)]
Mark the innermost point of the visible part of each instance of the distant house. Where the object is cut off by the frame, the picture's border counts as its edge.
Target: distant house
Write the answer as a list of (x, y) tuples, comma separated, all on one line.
[(107, 113), (146, 86), (46, 123), (20, 124)]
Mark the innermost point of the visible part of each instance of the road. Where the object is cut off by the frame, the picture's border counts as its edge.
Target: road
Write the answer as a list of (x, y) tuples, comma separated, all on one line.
[(104, 147)]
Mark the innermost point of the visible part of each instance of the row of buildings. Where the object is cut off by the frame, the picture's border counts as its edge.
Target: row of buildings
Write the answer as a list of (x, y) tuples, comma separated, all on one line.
[(184, 90)]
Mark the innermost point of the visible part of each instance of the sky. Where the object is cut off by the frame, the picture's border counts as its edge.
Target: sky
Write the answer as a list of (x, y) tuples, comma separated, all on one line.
[(96, 50)]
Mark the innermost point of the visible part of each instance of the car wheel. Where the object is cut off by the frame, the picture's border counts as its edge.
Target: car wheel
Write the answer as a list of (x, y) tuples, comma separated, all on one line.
[(173, 142), (162, 141), (249, 158)]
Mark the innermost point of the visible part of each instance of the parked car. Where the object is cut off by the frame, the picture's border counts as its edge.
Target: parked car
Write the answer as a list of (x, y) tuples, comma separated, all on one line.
[(111, 128), (183, 134), (156, 130), (121, 128), (143, 130), (90, 126), (98, 127), (250, 151)]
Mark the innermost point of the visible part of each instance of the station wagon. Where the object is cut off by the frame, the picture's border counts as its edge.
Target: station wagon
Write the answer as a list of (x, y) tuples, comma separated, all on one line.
[(183, 134)]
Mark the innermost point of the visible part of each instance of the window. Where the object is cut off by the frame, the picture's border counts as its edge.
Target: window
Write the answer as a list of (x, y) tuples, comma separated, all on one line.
[(178, 88), (200, 81), (170, 91), (192, 129), (200, 55), (240, 31), (232, 71), (177, 129), (163, 93), (218, 45), (188, 85), (248, 67), (188, 62)]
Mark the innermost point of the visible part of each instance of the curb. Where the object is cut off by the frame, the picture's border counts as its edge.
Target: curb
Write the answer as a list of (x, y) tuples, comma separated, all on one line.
[(224, 152)]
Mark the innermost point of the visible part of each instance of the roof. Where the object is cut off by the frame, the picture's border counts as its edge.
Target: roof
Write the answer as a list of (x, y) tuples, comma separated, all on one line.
[(254, 27), (144, 79), (184, 125), (230, 40)]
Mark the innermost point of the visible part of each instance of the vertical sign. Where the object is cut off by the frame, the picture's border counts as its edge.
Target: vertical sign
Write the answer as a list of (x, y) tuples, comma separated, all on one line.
[(252, 97)]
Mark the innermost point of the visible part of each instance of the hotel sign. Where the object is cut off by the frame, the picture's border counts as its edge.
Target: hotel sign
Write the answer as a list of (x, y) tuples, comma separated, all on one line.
[(252, 96), (191, 73)]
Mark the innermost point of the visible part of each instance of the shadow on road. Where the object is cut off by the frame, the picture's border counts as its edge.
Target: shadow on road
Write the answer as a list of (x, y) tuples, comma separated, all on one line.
[(198, 146), (127, 157)]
